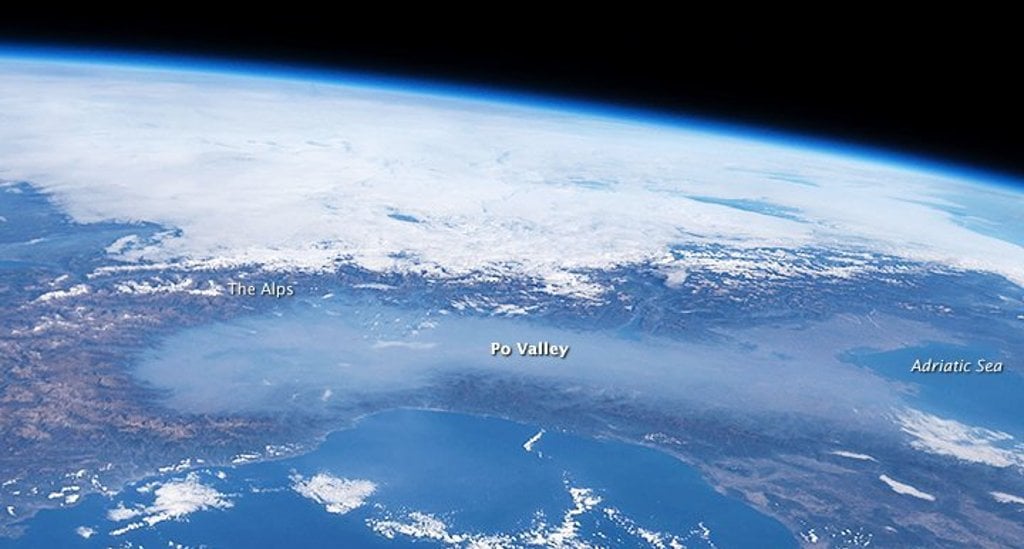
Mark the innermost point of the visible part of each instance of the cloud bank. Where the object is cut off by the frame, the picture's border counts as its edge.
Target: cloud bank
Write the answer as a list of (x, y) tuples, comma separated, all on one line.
[(295, 174), (337, 495), (172, 500), (948, 437)]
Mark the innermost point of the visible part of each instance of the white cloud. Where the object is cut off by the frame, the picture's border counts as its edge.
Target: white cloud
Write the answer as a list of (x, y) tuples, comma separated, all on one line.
[(853, 455), (413, 345), (127, 528), (419, 525), (951, 438), (563, 535), (314, 171), (337, 495), (566, 533), (532, 441), (905, 489), (172, 500), (659, 540), (810, 536), (85, 532), (122, 244), (1003, 497), (122, 513), (246, 457)]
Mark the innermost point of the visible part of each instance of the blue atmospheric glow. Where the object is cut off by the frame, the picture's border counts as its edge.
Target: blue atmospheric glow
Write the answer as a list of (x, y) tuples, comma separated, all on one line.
[(482, 93)]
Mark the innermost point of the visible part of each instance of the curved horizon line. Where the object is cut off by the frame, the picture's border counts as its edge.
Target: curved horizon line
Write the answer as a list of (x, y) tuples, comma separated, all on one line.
[(264, 69)]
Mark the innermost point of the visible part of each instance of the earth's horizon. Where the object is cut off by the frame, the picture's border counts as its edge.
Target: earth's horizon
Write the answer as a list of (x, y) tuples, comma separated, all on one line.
[(205, 273)]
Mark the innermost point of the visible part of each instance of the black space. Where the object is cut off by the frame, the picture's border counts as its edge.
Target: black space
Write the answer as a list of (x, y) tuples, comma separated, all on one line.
[(951, 94)]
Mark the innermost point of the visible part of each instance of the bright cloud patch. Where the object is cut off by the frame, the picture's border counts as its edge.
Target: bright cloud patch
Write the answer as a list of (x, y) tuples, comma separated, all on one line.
[(337, 495), (853, 455), (425, 526), (493, 188), (1003, 497), (905, 489), (563, 534), (951, 438), (172, 500), (532, 441)]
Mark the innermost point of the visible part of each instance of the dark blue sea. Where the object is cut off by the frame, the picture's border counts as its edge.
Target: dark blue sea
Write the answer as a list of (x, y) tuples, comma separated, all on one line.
[(438, 479), (991, 400)]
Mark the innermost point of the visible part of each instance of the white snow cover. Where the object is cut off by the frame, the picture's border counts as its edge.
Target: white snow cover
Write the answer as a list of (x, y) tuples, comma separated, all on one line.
[(76, 290), (337, 495), (158, 286), (951, 438), (905, 489), (295, 174), (174, 499)]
